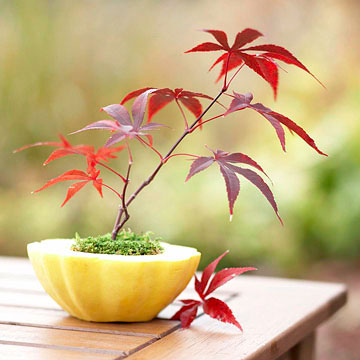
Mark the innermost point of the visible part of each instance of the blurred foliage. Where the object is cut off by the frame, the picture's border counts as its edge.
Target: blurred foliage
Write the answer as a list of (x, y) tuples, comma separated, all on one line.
[(60, 61)]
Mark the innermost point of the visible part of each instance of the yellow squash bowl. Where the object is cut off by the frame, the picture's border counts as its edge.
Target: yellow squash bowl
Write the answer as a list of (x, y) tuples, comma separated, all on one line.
[(107, 288)]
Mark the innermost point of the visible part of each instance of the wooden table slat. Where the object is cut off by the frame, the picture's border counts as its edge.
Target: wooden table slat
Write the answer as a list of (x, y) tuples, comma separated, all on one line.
[(61, 320), (82, 341), (29, 300), (21, 352)]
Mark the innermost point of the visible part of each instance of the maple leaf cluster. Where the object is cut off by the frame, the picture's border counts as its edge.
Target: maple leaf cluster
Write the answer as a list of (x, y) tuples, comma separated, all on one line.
[(103, 154), (126, 125), (263, 63), (213, 307)]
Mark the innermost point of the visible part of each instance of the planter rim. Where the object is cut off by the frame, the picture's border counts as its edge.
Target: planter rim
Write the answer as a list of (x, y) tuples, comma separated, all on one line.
[(62, 247)]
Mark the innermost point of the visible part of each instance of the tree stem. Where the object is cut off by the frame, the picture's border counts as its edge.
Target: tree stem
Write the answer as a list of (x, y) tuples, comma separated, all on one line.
[(123, 208)]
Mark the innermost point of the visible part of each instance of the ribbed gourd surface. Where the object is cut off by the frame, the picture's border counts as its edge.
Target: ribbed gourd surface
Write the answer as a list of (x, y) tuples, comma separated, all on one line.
[(107, 288)]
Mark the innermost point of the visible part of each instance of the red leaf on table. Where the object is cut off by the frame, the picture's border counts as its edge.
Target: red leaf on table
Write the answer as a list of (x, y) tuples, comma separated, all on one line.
[(218, 310), (187, 314), (225, 275), (198, 286), (208, 271), (190, 302)]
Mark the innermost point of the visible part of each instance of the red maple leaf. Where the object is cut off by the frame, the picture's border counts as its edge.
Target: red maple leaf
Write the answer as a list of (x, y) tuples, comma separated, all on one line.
[(214, 307), (161, 97), (230, 173), (65, 148), (123, 127), (263, 62), (241, 102), (103, 154), (74, 188), (63, 144)]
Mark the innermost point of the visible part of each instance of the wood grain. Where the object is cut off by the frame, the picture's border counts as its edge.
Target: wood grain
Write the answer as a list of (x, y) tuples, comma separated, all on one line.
[(16, 266), (71, 340), (60, 320), (27, 299), (20, 352)]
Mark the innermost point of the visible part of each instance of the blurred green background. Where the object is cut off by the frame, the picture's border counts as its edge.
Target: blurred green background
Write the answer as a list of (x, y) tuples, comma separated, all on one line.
[(60, 61)]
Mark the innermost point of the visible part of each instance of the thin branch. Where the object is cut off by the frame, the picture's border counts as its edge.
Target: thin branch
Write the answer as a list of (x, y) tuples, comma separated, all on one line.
[(129, 152), (110, 188), (236, 72), (225, 87), (182, 113), (232, 96), (150, 146), (112, 170), (184, 154), (123, 209), (206, 121)]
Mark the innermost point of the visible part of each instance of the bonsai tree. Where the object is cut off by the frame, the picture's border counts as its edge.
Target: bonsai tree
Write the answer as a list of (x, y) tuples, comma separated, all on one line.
[(127, 126)]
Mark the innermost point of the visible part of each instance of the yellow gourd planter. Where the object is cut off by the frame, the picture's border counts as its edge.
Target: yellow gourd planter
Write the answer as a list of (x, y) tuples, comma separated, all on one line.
[(104, 288)]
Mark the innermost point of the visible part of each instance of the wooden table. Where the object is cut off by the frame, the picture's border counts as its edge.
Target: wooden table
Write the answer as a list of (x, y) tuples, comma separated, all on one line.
[(279, 318)]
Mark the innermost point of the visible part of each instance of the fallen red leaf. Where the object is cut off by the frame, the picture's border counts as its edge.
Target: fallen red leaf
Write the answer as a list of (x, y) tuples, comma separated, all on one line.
[(215, 308)]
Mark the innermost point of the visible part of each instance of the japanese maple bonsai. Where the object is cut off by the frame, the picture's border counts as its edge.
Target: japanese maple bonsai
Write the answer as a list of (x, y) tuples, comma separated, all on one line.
[(124, 254)]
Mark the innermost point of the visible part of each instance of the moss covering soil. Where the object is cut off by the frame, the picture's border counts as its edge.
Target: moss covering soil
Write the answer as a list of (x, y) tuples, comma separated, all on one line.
[(126, 243)]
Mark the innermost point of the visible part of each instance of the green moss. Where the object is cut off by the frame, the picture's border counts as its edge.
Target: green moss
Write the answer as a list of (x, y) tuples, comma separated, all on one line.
[(126, 243)]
